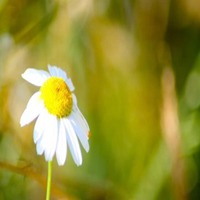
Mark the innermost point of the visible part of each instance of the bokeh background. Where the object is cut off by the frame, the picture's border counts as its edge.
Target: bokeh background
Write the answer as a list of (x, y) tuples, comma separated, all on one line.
[(136, 68)]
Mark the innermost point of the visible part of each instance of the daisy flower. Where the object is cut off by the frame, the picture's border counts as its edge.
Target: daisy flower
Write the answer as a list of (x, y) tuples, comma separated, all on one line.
[(60, 124)]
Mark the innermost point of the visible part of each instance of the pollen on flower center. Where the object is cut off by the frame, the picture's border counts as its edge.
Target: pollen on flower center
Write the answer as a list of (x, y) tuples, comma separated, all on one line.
[(57, 97)]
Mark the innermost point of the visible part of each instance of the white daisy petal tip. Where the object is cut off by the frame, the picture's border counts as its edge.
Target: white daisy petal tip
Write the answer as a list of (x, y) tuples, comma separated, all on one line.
[(39, 149), (25, 75), (87, 149), (70, 84), (22, 121), (49, 67), (35, 76), (32, 110), (79, 164), (27, 118), (79, 161), (60, 161), (48, 157)]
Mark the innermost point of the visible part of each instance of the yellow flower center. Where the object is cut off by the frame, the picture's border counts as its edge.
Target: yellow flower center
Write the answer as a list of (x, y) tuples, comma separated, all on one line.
[(57, 97)]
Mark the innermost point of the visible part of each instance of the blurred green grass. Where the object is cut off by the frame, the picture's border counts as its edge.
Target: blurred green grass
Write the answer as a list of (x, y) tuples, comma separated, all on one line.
[(116, 53)]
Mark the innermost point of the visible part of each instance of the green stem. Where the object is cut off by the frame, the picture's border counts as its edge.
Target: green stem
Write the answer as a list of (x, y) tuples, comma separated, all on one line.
[(49, 180)]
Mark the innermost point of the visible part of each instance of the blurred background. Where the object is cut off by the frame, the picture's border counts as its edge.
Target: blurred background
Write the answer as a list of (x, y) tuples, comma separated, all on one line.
[(136, 68)]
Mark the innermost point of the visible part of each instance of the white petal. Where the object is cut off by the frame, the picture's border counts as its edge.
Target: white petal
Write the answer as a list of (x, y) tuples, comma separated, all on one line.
[(80, 132), (51, 137), (74, 100), (55, 71), (82, 121), (41, 142), (39, 149), (39, 127), (79, 117), (36, 77), (48, 139), (73, 142), (32, 110), (61, 149), (70, 84)]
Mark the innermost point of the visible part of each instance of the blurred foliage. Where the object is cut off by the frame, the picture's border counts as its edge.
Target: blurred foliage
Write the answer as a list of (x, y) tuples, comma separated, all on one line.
[(136, 69)]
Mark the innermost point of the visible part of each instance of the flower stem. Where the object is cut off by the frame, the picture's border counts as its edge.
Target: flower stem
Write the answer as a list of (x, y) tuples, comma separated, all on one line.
[(48, 192)]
